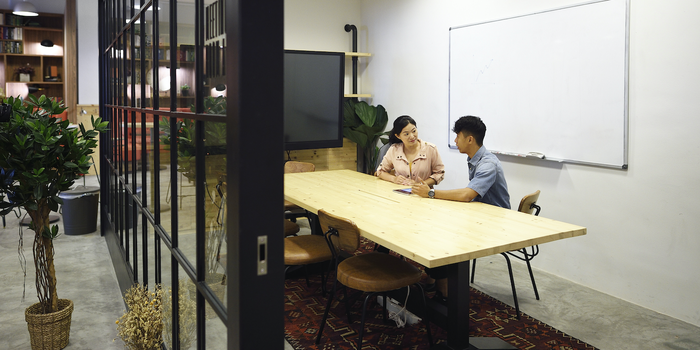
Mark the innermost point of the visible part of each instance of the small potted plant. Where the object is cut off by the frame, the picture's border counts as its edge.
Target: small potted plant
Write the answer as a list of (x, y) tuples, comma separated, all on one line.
[(185, 90), (141, 326), (25, 72)]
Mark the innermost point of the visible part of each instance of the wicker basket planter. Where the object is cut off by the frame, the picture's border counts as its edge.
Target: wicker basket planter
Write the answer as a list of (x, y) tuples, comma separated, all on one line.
[(49, 331)]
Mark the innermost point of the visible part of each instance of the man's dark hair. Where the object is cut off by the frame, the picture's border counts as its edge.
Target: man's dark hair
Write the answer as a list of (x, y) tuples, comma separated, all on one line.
[(471, 126)]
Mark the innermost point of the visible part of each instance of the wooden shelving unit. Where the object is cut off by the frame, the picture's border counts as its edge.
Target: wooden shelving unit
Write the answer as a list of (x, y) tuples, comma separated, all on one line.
[(358, 55), (184, 54), (20, 45)]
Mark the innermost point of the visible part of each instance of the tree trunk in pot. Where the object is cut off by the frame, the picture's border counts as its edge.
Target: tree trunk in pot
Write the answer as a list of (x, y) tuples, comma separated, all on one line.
[(43, 258)]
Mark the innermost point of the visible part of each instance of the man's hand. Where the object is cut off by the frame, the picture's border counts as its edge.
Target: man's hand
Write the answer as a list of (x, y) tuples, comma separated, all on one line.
[(420, 188)]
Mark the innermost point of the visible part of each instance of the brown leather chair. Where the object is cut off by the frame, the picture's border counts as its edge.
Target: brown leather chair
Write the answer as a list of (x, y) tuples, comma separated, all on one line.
[(527, 205), (300, 251), (371, 272), (290, 228)]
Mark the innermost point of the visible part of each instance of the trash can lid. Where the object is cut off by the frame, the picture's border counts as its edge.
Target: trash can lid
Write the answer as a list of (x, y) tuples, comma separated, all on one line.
[(78, 191)]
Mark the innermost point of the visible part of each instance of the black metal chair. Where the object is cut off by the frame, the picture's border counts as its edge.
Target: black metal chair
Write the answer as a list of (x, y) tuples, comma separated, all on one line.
[(527, 205)]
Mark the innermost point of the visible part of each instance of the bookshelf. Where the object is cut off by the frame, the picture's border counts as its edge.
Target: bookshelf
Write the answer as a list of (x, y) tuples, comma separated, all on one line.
[(20, 45)]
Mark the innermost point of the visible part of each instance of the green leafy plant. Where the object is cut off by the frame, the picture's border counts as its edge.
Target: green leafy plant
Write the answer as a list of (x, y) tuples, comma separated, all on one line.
[(185, 141), (213, 105), (40, 156), (214, 141), (184, 87), (364, 124)]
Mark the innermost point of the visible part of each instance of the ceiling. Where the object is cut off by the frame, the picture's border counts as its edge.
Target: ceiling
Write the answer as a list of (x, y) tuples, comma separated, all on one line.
[(43, 6)]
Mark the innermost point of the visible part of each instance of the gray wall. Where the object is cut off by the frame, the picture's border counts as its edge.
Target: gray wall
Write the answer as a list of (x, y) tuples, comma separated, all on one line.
[(88, 52)]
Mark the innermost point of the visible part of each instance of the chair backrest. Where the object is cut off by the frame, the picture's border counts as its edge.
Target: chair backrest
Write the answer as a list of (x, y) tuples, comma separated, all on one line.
[(348, 233), (380, 156), (298, 167), (529, 203)]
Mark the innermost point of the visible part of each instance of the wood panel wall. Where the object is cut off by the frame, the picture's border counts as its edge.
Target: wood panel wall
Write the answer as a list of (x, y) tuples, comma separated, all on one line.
[(70, 59), (328, 158)]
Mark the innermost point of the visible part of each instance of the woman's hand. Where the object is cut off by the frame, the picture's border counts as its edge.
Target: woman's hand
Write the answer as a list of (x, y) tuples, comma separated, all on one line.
[(402, 180)]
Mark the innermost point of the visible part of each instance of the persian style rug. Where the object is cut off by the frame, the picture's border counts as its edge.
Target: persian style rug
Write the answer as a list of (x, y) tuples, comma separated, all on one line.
[(304, 307)]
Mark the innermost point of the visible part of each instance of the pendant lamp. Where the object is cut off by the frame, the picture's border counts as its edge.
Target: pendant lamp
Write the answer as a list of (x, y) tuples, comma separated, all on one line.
[(25, 9)]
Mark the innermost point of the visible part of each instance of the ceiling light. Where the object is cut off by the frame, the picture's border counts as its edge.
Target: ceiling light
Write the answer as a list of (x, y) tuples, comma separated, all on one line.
[(47, 43), (25, 9)]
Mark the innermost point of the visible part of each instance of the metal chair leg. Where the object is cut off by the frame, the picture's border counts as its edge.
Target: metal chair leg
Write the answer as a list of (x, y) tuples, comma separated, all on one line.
[(512, 285), (347, 303), (325, 313), (532, 278), (362, 323), (327, 276), (473, 269), (384, 310)]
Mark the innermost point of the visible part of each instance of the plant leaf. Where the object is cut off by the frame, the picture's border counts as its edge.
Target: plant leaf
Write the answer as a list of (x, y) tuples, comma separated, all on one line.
[(367, 113)]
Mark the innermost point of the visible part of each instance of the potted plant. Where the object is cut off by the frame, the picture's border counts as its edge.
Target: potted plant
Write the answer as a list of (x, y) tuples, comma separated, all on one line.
[(25, 72), (40, 156), (141, 326), (364, 124), (185, 90)]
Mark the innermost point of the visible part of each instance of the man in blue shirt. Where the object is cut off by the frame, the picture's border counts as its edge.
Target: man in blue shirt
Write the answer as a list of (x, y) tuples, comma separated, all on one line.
[(487, 184)]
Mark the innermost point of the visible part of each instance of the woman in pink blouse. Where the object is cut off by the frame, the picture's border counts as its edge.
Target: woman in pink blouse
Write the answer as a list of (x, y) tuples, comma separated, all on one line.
[(412, 159)]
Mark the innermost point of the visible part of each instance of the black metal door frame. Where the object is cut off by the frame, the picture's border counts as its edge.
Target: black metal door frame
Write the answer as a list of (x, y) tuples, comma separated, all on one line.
[(255, 268)]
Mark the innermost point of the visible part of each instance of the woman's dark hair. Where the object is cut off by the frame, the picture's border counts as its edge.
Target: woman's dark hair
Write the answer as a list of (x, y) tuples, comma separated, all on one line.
[(399, 124), (471, 126)]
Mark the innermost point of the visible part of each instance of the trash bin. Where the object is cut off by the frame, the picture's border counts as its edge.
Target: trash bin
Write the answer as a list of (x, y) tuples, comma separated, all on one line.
[(79, 210)]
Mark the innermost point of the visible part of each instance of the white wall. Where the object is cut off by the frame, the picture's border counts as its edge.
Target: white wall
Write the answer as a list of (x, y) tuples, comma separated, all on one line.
[(643, 223), (319, 25), (88, 52)]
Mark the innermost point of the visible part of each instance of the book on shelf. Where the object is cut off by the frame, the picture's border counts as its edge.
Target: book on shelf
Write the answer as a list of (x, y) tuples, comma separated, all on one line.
[(11, 47), (8, 33), (12, 20)]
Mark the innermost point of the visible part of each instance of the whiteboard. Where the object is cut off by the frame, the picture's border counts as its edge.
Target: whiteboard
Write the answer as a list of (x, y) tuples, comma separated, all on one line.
[(552, 82)]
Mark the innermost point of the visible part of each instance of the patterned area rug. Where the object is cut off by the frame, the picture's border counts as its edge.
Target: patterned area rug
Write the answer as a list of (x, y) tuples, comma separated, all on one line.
[(304, 307)]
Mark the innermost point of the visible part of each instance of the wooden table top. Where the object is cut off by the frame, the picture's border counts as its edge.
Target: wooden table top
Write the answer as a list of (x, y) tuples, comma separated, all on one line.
[(431, 232)]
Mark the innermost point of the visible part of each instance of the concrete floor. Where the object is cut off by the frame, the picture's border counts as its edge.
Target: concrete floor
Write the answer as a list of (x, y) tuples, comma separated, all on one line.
[(85, 275)]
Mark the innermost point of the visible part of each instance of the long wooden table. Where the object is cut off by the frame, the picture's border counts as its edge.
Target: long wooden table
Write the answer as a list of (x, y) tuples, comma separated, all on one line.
[(431, 232)]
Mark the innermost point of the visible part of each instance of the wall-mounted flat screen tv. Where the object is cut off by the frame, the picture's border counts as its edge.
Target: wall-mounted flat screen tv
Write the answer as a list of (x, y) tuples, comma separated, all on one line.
[(313, 99)]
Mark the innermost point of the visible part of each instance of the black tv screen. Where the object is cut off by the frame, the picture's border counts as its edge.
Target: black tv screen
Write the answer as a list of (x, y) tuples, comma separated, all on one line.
[(313, 99)]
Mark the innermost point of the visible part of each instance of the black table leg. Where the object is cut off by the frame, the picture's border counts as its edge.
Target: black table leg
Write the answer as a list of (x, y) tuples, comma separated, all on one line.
[(458, 315)]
